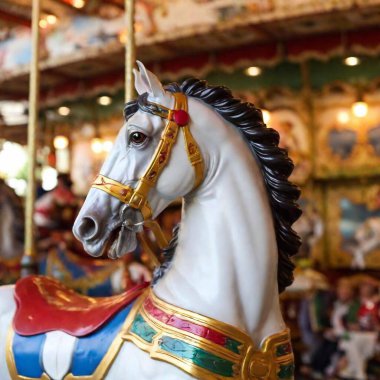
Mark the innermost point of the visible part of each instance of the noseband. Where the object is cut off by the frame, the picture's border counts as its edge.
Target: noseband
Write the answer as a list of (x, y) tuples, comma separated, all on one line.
[(177, 118)]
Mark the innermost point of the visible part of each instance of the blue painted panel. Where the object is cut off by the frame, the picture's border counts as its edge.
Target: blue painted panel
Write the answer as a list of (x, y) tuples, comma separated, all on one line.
[(90, 350), (27, 352)]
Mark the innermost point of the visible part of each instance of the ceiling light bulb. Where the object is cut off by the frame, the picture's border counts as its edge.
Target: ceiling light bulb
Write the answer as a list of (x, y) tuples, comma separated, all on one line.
[(253, 71), (43, 23), (51, 19), (104, 100), (360, 109), (64, 111), (343, 117), (61, 142), (78, 3), (351, 61), (97, 145)]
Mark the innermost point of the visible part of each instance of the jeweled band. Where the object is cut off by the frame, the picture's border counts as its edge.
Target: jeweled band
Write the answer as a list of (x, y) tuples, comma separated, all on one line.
[(138, 197), (204, 347)]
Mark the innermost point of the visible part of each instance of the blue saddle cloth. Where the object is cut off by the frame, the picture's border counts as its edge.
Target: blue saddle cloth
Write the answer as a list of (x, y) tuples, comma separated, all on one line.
[(88, 353)]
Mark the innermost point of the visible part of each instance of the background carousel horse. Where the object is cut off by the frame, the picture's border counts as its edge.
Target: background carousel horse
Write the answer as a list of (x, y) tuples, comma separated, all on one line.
[(215, 312), (367, 239), (11, 234)]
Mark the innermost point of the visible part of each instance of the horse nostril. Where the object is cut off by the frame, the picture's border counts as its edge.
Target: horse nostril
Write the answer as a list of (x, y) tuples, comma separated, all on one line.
[(88, 228)]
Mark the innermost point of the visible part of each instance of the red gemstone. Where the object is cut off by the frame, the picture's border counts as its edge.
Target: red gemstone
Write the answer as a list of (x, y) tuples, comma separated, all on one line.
[(181, 117)]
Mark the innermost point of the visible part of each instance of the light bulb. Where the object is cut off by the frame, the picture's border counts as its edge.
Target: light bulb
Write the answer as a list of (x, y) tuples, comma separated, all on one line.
[(253, 71), (78, 3), (61, 142), (343, 117), (43, 23), (360, 109), (64, 111), (351, 61), (97, 145), (104, 100), (51, 19)]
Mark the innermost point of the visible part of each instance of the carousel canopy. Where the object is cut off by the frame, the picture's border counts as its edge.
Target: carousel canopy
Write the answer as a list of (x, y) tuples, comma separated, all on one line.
[(83, 40)]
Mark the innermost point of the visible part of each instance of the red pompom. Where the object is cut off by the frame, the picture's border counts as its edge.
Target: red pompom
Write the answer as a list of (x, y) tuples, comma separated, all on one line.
[(181, 117)]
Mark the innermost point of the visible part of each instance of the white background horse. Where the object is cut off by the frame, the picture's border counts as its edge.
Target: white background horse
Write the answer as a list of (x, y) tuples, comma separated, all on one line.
[(367, 239), (225, 263)]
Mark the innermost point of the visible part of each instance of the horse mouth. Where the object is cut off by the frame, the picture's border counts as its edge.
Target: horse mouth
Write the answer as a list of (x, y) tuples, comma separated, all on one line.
[(120, 242), (110, 241)]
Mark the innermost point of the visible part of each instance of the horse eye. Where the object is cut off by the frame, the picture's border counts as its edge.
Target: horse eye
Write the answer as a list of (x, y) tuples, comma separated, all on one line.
[(137, 138)]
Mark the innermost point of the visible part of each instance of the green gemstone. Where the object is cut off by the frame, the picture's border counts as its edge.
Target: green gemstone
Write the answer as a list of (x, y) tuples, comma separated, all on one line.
[(286, 371), (283, 349), (197, 356), (142, 329), (233, 345)]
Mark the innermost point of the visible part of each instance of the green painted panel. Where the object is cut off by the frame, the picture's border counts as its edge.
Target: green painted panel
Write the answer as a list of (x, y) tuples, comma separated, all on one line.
[(283, 75), (198, 356), (322, 73), (142, 329)]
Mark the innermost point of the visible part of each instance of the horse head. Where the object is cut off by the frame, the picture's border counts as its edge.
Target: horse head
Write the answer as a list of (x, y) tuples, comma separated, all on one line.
[(148, 168)]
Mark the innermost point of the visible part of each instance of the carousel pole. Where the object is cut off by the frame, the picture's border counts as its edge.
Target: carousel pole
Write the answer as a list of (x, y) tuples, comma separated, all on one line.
[(130, 49), (28, 261)]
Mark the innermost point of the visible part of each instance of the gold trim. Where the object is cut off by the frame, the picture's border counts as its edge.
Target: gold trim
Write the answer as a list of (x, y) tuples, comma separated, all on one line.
[(224, 328), (190, 338), (250, 364)]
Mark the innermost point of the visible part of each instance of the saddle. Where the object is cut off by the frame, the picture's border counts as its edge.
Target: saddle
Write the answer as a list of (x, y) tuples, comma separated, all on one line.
[(44, 304)]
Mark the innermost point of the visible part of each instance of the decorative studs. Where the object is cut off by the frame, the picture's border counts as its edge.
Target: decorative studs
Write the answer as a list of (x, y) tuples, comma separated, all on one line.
[(191, 148), (162, 157)]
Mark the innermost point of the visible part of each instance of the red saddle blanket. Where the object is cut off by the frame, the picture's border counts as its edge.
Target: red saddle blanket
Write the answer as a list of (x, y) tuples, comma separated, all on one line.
[(44, 304)]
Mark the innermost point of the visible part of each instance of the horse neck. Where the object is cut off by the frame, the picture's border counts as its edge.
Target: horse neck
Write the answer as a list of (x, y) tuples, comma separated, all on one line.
[(225, 264)]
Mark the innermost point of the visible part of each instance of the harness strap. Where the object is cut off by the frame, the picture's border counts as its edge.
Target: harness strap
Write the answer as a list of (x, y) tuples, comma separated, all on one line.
[(138, 197), (204, 347)]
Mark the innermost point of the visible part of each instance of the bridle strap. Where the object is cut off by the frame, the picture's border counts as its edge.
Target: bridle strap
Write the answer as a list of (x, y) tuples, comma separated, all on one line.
[(192, 148), (138, 197)]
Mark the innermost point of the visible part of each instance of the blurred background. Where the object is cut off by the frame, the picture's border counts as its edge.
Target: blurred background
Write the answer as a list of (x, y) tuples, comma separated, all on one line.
[(312, 66)]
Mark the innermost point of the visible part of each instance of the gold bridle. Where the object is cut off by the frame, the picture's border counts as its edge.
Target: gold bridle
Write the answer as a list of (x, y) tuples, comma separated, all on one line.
[(137, 197)]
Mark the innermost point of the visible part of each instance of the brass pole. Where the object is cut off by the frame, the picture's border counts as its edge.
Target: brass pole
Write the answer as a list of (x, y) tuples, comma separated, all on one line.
[(130, 49), (29, 259)]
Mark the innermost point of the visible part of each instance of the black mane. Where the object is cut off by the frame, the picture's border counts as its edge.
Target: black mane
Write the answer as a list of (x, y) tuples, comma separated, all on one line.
[(275, 164)]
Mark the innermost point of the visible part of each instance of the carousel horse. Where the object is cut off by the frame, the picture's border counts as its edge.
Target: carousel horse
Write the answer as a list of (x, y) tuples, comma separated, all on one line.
[(367, 239), (214, 313), (11, 234)]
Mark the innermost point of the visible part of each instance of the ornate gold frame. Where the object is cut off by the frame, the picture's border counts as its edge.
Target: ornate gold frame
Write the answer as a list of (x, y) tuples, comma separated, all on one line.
[(337, 257)]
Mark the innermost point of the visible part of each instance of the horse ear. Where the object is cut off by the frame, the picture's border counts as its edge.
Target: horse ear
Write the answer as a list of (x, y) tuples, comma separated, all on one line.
[(154, 86), (140, 86)]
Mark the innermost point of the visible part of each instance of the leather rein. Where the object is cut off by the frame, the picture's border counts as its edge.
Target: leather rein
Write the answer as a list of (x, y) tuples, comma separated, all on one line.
[(137, 198)]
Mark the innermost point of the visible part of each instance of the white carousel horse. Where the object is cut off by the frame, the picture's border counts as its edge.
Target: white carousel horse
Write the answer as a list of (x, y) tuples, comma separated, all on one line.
[(367, 239), (215, 313)]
